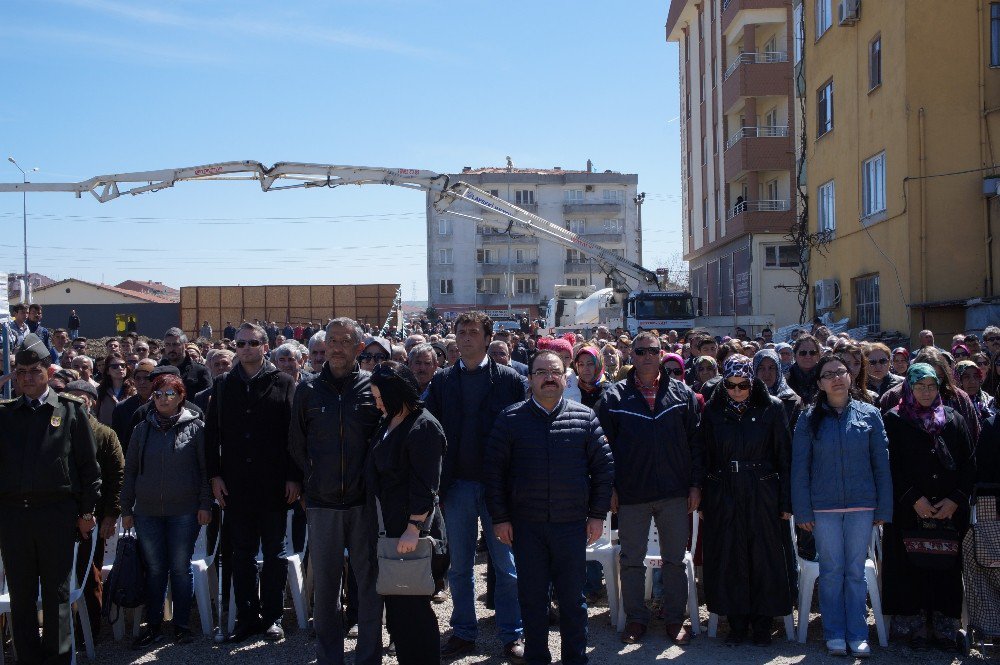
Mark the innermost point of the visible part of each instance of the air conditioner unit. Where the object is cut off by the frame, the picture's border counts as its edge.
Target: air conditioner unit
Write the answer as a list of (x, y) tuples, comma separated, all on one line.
[(827, 294), (849, 12)]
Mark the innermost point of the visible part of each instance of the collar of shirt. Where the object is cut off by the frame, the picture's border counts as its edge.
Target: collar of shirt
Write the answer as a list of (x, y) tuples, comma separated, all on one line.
[(550, 412), (648, 392), (482, 364), (42, 399)]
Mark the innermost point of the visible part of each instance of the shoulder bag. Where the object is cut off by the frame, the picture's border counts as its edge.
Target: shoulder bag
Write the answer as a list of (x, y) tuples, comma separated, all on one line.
[(403, 574)]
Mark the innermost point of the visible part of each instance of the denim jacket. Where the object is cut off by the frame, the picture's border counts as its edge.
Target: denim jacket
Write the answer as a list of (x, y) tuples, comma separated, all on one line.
[(845, 466)]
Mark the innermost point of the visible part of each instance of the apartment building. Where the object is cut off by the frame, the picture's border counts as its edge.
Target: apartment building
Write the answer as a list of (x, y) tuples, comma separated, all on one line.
[(475, 266), (737, 154), (901, 124)]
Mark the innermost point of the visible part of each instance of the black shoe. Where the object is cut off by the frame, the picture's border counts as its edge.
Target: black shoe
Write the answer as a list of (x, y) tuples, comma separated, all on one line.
[(183, 635), (274, 632), (735, 638), (762, 639), (243, 631), (456, 646), (149, 636), (391, 649), (513, 651)]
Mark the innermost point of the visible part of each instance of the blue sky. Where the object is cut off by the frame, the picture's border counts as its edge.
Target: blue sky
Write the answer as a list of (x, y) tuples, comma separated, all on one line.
[(104, 86)]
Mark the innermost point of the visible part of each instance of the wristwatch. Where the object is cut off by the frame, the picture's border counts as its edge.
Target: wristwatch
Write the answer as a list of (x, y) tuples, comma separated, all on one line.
[(417, 523), (87, 517)]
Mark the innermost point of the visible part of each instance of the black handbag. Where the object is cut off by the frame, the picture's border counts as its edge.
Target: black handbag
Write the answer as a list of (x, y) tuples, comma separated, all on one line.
[(933, 544), (126, 585)]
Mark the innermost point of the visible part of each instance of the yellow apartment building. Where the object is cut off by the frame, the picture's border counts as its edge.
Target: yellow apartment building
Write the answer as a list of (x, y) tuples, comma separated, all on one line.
[(902, 130)]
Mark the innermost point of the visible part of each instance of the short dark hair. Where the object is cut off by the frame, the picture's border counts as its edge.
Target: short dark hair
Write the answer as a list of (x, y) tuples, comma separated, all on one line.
[(19, 307), (397, 387), (34, 306), (476, 318), (645, 335), (544, 352), (707, 339), (258, 331)]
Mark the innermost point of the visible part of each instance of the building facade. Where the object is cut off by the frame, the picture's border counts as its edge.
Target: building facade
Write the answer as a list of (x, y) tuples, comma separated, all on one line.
[(475, 266), (737, 154), (900, 124)]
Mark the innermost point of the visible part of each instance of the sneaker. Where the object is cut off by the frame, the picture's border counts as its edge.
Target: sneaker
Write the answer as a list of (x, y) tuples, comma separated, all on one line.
[(836, 647), (456, 646), (860, 649), (183, 635), (274, 632), (352, 630), (149, 636)]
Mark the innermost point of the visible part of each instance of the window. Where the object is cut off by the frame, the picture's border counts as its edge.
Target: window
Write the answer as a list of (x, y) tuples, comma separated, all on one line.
[(526, 285), (715, 203), (614, 226), (574, 256), (485, 256), (524, 197), (576, 281), (772, 190), (769, 45), (824, 18), (771, 118), (613, 196), (446, 256), (799, 31), (995, 34), (577, 226), (488, 285), (495, 192), (873, 185), (444, 226), (781, 256), (824, 109), (525, 256), (704, 213), (866, 302), (875, 63), (446, 287), (827, 207), (574, 196)]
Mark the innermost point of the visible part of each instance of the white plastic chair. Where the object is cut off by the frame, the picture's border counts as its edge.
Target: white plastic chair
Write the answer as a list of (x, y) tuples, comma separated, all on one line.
[(603, 551), (653, 560), (4, 605), (202, 570), (77, 602)]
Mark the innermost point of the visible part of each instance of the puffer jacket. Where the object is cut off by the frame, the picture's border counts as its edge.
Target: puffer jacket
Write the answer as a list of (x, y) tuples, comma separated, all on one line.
[(330, 435), (542, 467), (656, 454), (165, 472), (845, 466)]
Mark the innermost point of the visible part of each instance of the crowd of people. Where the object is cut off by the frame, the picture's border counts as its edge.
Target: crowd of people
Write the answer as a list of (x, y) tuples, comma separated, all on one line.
[(520, 443)]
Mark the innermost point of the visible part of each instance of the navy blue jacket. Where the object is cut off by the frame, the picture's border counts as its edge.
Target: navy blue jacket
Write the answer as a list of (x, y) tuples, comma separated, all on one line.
[(542, 467), (656, 453)]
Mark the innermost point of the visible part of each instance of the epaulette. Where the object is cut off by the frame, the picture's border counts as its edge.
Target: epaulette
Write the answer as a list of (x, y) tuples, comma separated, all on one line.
[(72, 398), (8, 401)]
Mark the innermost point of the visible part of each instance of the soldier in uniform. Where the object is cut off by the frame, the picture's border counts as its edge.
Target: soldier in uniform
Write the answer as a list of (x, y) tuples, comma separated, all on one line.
[(49, 486)]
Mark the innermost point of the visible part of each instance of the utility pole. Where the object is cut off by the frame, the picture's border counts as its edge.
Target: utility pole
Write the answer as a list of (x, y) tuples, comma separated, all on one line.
[(26, 289), (638, 200)]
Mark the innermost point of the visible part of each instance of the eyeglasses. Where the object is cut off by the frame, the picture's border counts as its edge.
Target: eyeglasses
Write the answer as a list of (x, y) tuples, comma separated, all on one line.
[(925, 387), (647, 350), (117, 366), (160, 394), (983, 363), (377, 357), (834, 374), (240, 343), (992, 338), (960, 354), (547, 373), (741, 386), (803, 353), (880, 361), (676, 371)]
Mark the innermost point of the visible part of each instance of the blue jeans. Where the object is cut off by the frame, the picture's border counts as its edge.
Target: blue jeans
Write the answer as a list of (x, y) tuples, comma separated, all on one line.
[(842, 545), (550, 553), (465, 505), (167, 545)]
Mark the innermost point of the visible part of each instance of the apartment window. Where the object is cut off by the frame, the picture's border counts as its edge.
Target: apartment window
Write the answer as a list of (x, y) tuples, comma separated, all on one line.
[(769, 45), (875, 63), (574, 256), (524, 197), (866, 302), (446, 256), (824, 109), (799, 31), (446, 287), (824, 18), (574, 196), (444, 226), (715, 139), (995, 34), (715, 203), (525, 256), (704, 150), (576, 281), (772, 190), (613, 196), (495, 192), (577, 226), (781, 256), (526, 285), (487, 285), (704, 213), (873, 185), (771, 118), (614, 225), (485, 256), (827, 207), (620, 253)]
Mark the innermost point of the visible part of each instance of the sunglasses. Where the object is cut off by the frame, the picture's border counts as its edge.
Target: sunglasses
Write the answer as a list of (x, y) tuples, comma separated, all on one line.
[(991, 339), (647, 351), (880, 361), (677, 371), (240, 343), (159, 394), (79, 347), (742, 385), (377, 357), (804, 353), (961, 355), (117, 366)]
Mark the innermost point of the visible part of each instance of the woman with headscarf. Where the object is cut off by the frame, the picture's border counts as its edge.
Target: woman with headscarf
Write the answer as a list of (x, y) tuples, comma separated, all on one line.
[(767, 368), (969, 377), (802, 375), (706, 371), (746, 504), (589, 365), (900, 360), (930, 455), (787, 356)]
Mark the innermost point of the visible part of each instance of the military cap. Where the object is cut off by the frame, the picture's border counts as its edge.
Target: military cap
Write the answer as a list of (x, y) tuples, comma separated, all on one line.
[(164, 369), (31, 351)]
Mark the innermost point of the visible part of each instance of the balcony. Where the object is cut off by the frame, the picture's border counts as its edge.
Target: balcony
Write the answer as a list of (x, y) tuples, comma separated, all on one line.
[(530, 267), (581, 265), (758, 149), (764, 216), (767, 74), (503, 239), (591, 207), (605, 238), (741, 12), (516, 299)]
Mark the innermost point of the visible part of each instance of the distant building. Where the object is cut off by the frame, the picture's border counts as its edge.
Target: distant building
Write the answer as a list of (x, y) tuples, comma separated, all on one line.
[(153, 288), (14, 283), (474, 266)]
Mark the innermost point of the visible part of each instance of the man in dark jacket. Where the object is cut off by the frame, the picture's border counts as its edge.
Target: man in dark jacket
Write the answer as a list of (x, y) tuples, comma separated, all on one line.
[(650, 420), (333, 419), (195, 376), (553, 452), (466, 398), (253, 479)]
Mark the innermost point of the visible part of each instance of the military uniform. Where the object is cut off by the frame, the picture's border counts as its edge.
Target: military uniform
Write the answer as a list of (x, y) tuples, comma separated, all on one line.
[(49, 477)]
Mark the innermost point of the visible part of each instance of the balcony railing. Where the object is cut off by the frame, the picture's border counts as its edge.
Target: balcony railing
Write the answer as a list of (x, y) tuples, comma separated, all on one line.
[(756, 132), (765, 205), (755, 59), (504, 267)]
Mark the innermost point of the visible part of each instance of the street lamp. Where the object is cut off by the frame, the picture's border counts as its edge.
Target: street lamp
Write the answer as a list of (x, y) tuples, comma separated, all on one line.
[(26, 295)]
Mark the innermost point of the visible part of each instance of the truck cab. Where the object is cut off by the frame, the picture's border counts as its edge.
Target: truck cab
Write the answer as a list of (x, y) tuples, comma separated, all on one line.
[(659, 310)]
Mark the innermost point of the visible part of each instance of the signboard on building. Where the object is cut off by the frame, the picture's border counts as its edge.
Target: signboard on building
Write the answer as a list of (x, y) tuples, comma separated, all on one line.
[(741, 282)]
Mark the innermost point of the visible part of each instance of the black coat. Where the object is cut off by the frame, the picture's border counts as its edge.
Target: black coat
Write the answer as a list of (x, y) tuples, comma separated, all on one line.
[(988, 452), (246, 437), (121, 419), (542, 467), (747, 546), (803, 383), (917, 472), (195, 376)]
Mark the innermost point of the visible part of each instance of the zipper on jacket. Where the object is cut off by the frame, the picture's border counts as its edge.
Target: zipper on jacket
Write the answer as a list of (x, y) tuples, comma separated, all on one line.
[(343, 456), (163, 465)]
